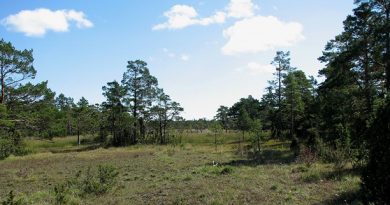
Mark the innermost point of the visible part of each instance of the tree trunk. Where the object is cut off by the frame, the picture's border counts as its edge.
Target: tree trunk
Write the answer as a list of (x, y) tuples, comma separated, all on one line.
[(2, 87), (215, 141), (387, 48), (78, 137)]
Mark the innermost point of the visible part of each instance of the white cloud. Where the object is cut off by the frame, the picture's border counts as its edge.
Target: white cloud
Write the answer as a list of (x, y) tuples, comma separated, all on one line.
[(255, 68), (241, 9), (185, 57), (37, 22), (169, 53), (261, 33), (259, 68), (181, 16)]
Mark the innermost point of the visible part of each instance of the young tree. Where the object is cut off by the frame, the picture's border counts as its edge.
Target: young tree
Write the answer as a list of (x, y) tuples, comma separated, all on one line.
[(256, 129), (216, 128), (82, 112), (282, 64), (223, 117), (244, 124)]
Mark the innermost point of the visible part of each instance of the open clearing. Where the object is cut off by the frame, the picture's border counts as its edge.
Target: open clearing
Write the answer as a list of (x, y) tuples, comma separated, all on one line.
[(183, 174)]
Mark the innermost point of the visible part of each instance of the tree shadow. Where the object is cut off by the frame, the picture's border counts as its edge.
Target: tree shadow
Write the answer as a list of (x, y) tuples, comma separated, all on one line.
[(265, 157), (350, 197), (339, 174)]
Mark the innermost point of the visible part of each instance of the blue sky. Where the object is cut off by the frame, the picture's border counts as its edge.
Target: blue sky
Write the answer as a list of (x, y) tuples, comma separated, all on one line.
[(204, 53)]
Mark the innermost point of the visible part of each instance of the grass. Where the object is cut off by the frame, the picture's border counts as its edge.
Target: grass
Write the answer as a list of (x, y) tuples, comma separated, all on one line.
[(194, 173), (58, 144)]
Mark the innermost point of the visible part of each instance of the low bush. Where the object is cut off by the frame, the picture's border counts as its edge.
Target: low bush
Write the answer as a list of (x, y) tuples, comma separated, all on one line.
[(11, 200), (90, 182)]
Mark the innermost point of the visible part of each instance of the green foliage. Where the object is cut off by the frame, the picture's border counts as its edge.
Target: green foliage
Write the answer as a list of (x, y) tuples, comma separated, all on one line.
[(60, 193), (376, 181), (15, 66), (217, 170), (100, 182), (10, 200), (89, 182), (6, 148)]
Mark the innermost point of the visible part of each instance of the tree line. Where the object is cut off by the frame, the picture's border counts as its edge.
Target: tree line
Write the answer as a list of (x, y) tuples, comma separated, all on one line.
[(136, 110), (343, 118)]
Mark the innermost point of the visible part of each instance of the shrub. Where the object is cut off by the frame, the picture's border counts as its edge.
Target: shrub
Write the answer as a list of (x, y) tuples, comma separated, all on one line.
[(100, 182), (60, 193), (94, 182), (307, 156), (6, 148), (11, 200), (217, 170)]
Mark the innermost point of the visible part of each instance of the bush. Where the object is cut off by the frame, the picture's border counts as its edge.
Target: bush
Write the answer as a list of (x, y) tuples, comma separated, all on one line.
[(217, 170), (90, 182), (6, 148), (100, 182), (11, 144), (11, 200), (340, 155), (307, 156), (60, 193)]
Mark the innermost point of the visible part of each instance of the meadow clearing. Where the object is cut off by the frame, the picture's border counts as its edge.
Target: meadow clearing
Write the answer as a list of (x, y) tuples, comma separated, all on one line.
[(191, 172)]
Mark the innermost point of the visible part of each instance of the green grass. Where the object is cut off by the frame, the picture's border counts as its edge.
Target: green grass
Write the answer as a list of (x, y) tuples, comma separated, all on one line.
[(57, 144), (194, 173)]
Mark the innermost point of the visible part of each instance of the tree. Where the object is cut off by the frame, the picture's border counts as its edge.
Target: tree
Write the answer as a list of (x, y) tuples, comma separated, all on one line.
[(298, 95), (244, 124), (256, 129), (282, 64), (375, 177), (15, 66), (64, 105), (116, 112), (222, 117), (216, 128), (164, 112), (82, 114), (141, 87)]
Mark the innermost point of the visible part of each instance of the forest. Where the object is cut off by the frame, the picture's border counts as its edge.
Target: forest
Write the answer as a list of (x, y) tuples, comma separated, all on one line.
[(338, 120)]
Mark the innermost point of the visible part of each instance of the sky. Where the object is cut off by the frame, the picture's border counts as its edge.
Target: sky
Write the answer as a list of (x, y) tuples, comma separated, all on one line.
[(203, 53)]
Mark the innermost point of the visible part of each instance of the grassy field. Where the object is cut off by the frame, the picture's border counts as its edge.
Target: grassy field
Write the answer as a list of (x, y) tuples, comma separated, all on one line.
[(193, 172)]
